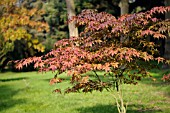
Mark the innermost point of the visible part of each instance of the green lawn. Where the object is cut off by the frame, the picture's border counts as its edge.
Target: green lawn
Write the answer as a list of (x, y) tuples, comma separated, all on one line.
[(30, 92)]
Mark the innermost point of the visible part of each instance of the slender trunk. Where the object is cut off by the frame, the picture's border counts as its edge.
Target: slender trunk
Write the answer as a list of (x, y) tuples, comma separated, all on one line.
[(73, 30), (124, 9), (121, 106)]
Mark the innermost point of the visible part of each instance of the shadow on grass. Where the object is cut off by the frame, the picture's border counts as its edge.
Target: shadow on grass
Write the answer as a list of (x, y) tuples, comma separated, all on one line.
[(6, 98), (113, 109), (13, 79)]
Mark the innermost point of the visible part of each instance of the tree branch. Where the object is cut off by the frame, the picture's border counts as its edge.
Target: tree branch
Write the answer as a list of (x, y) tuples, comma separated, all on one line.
[(97, 76)]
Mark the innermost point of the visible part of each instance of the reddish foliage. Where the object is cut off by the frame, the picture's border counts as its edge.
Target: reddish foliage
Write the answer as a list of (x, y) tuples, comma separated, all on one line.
[(99, 47), (55, 80), (166, 78), (57, 91)]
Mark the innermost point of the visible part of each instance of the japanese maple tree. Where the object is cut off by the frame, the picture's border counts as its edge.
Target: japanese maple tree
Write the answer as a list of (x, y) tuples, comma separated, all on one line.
[(100, 48)]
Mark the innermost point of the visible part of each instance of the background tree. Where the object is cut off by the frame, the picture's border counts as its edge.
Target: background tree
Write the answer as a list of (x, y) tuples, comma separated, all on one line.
[(109, 6), (56, 16), (15, 35), (73, 30)]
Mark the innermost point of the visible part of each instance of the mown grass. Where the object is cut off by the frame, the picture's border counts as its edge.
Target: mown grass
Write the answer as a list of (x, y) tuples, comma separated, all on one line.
[(30, 92)]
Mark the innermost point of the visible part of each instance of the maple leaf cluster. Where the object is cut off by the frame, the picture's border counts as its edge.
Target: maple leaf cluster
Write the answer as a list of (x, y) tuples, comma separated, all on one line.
[(100, 48)]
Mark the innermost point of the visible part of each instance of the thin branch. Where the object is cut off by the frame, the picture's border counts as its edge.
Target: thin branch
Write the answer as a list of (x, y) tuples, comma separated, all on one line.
[(97, 76)]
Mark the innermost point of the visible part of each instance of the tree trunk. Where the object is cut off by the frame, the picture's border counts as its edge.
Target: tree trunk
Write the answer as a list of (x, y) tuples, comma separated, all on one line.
[(167, 41), (73, 30), (167, 3), (124, 7)]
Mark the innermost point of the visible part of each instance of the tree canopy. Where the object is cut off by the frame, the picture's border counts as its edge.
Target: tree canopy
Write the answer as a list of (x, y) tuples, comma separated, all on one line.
[(16, 26), (99, 48)]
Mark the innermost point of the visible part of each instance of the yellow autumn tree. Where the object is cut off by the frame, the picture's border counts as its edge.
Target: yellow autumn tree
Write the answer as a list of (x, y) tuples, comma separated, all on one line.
[(16, 24)]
